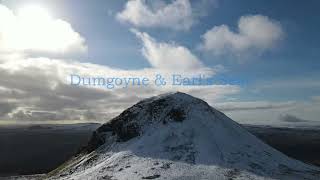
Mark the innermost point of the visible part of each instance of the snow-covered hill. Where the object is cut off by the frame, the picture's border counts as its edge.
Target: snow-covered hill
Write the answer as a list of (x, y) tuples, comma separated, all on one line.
[(177, 136)]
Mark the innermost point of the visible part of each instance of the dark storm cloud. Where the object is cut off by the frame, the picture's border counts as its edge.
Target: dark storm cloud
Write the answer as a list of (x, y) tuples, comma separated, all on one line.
[(39, 89), (6, 108), (291, 118), (39, 94), (247, 106)]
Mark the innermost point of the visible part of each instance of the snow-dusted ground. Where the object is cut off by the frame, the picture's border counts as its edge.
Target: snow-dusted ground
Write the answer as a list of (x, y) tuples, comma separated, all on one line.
[(176, 136)]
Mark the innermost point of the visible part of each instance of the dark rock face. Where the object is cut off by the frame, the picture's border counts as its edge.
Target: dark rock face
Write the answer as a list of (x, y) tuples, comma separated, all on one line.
[(95, 141), (156, 107), (127, 125), (121, 126), (151, 177), (177, 114)]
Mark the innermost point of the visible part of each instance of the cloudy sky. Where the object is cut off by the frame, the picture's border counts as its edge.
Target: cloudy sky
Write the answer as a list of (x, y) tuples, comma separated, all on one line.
[(263, 56)]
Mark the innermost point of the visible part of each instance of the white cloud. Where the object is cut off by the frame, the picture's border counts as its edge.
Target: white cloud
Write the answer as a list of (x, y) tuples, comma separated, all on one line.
[(168, 56), (33, 30), (256, 33), (176, 15)]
